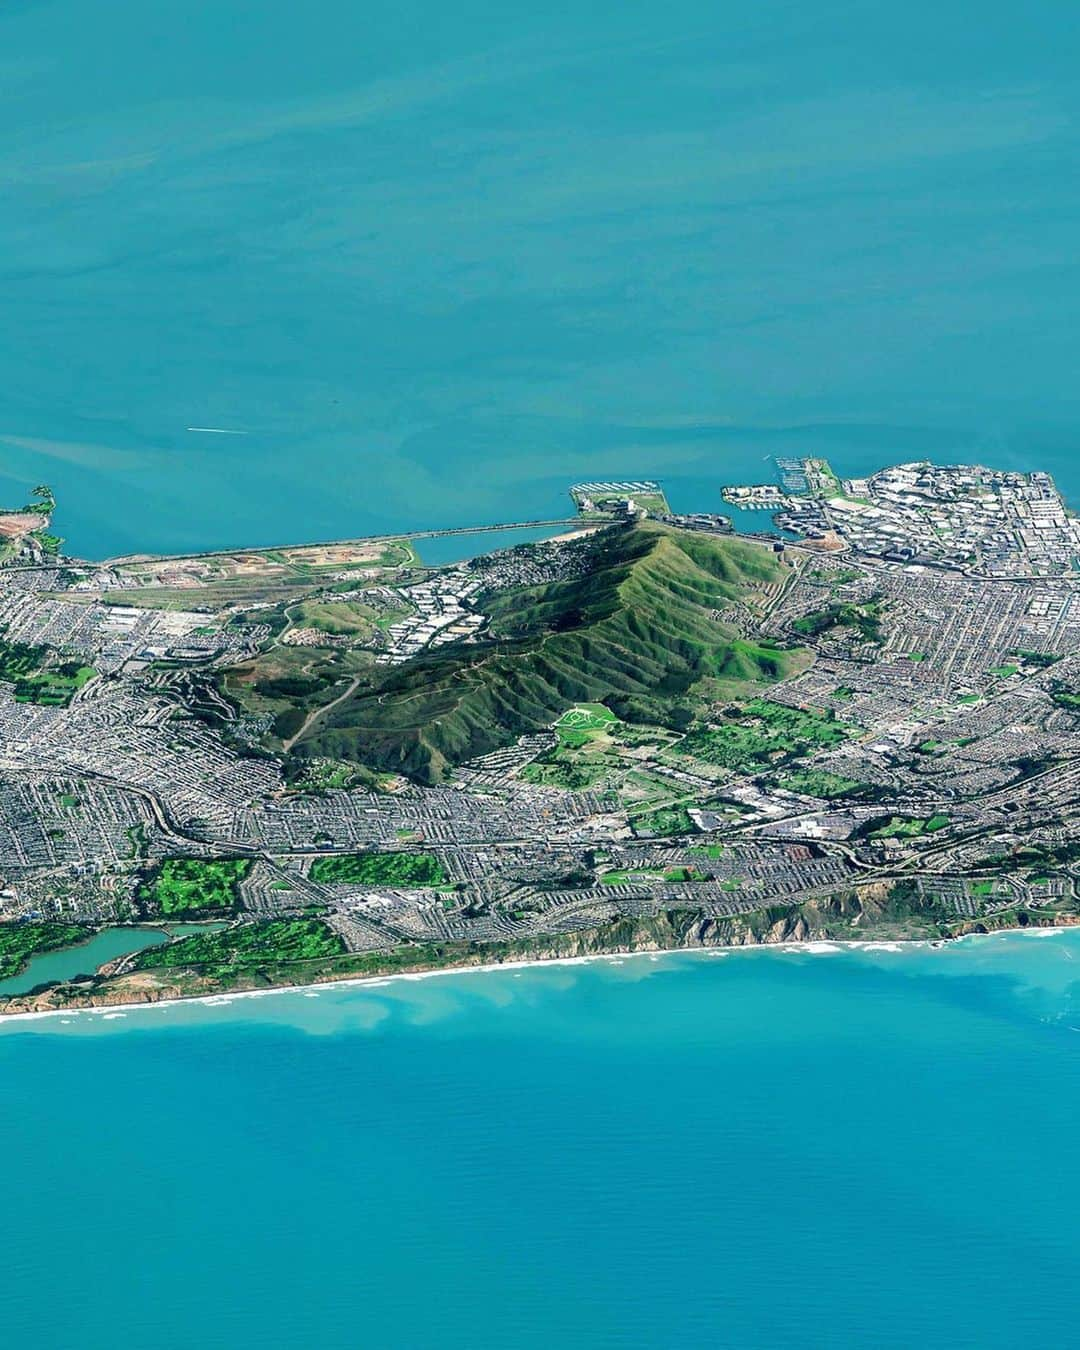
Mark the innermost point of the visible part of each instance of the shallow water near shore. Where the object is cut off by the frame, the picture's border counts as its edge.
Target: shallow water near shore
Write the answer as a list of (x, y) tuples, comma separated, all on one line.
[(804, 1147)]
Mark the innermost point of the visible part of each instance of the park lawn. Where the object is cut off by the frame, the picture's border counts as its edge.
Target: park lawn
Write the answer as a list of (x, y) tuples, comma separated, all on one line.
[(864, 618), (18, 660), (380, 869), (54, 686), (621, 877), (25, 664)]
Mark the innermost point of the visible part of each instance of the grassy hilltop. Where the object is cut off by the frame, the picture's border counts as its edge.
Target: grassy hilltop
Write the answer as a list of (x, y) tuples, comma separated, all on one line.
[(638, 631)]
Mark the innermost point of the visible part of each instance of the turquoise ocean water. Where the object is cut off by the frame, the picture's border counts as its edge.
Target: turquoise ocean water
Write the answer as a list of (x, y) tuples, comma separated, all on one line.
[(761, 1149), (437, 261)]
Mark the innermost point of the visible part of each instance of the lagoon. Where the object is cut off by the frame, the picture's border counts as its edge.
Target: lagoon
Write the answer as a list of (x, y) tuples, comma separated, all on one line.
[(68, 963)]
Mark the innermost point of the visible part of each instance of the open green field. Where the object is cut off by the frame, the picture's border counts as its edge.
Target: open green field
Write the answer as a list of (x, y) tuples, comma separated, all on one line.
[(380, 869), (573, 776), (653, 501), (833, 577), (612, 753), (336, 618), (21, 941), (286, 683), (194, 885), (319, 776), (247, 945)]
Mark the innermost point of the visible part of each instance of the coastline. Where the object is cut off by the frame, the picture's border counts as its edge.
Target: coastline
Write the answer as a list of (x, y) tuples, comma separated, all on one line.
[(110, 988), (106, 1011)]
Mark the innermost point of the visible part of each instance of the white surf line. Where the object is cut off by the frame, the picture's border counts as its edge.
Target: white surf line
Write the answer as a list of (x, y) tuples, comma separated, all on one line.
[(109, 1011), (216, 431)]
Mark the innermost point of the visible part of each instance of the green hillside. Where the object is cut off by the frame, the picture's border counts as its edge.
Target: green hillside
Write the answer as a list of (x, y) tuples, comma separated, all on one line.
[(637, 632)]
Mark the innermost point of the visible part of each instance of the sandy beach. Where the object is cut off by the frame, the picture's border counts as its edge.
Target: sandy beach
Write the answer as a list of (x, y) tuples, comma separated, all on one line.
[(820, 947)]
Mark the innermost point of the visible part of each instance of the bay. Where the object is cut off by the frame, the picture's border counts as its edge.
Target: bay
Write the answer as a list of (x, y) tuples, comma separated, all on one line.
[(436, 263), (453, 548)]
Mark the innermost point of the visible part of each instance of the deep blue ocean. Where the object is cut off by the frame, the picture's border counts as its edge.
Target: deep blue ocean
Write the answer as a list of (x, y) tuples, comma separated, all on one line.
[(438, 261), (760, 1149)]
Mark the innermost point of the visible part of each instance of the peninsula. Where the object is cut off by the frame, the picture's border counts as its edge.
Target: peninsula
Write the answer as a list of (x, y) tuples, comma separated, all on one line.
[(271, 767)]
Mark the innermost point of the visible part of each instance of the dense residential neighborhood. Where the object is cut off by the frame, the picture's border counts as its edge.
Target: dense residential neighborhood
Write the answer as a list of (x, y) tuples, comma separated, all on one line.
[(874, 731)]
